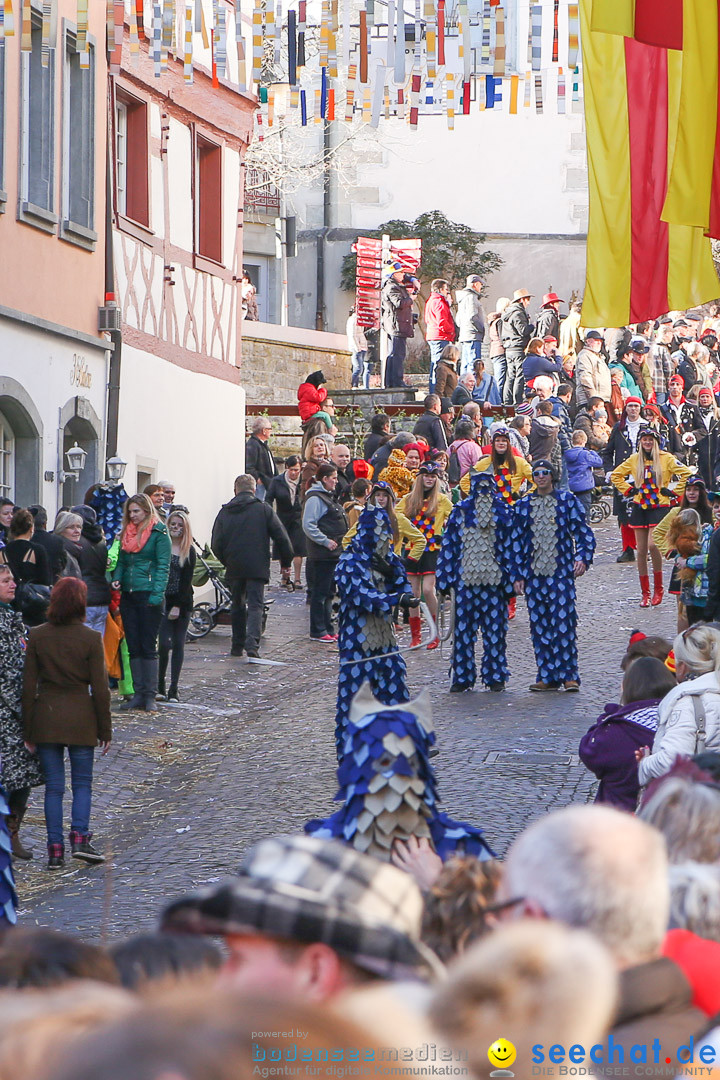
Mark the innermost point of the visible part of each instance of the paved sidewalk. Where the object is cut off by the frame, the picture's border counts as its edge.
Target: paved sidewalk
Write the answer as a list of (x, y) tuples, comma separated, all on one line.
[(250, 752)]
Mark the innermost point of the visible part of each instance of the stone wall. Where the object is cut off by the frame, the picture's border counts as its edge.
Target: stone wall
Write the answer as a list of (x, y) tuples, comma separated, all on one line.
[(276, 359)]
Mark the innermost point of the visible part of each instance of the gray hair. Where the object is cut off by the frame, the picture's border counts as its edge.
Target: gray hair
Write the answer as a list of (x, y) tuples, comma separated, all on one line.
[(471, 409), (687, 813), (596, 868), (695, 899), (245, 482), (699, 649), (467, 377), (259, 423), (65, 519)]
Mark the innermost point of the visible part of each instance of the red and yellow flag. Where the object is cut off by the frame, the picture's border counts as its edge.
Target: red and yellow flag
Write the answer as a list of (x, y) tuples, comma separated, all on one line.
[(638, 266)]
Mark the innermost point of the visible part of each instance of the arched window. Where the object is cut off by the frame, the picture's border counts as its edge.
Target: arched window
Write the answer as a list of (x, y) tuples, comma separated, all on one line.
[(7, 459)]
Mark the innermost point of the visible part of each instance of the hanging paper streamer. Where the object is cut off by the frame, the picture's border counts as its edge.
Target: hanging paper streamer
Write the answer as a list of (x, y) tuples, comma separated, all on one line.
[(528, 89), (465, 51), (324, 34), (157, 37), (82, 33), (561, 92), (499, 66), (400, 111), (278, 28), (303, 108), (414, 100), (573, 34), (350, 93), (378, 92), (166, 38), (556, 10), (450, 100), (134, 33), (417, 51), (240, 45), (536, 37), (323, 92), (363, 47), (302, 7), (366, 104), (514, 86), (8, 19), (292, 47), (441, 33), (257, 38), (430, 38), (46, 44), (538, 95), (466, 98), (331, 104), (493, 91), (486, 32), (26, 31), (115, 61), (576, 105), (399, 73), (188, 50), (221, 46)]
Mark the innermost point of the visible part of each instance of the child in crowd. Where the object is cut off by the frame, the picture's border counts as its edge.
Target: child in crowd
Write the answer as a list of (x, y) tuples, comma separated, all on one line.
[(359, 492), (580, 464), (608, 748)]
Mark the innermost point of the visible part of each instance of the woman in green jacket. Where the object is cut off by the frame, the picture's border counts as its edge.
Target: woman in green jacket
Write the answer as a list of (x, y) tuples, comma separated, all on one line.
[(142, 573)]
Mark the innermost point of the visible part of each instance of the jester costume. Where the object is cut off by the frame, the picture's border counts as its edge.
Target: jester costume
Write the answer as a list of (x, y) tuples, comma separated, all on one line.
[(370, 580), (8, 896), (475, 560), (387, 784), (551, 534)]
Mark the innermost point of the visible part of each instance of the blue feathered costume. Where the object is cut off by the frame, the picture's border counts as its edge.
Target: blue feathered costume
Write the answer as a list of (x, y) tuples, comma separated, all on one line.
[(8, 896), (552, 534), (369, 578), (476, 560), (388, 786)]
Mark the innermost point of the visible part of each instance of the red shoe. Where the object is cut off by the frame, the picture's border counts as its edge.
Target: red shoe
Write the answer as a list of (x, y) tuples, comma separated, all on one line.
[(645, 586), (416, 630), (434, 643), (658, 591), (512, 607)]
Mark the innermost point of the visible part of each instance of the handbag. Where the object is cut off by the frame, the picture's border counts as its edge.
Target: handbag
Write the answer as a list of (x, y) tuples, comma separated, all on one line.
[(32, 601)]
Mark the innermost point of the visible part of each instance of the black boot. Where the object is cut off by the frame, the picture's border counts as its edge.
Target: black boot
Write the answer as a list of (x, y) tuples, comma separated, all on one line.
[(56, 856), (150, 681), (83, 849), (628, 555), (137, 700), (173, 694)]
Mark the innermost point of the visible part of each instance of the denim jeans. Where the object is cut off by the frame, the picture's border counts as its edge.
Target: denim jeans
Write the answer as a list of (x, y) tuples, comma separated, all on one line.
[(514, 379), (471, 351), (497, 367), (360, 369), (436, 351), (248, 597), (585, 498), (96, 617), (322, 575), (141, 623), (395, 362), (52, 759)]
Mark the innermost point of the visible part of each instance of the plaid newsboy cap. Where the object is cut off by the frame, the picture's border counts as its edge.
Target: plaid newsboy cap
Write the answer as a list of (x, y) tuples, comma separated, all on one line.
[(307, 890)]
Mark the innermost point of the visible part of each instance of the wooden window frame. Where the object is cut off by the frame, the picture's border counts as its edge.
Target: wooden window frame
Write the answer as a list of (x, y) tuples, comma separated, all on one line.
[(137, 162), (207, 196)]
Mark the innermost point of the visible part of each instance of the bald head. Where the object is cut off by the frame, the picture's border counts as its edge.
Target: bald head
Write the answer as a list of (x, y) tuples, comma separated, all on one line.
[(596, 868)]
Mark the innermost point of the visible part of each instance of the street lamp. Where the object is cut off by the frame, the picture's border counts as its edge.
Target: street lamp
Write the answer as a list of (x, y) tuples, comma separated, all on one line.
[(76, 458), (115, 469)]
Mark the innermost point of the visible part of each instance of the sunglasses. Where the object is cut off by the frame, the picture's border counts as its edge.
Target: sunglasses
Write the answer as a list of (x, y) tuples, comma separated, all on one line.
[(541, 472)]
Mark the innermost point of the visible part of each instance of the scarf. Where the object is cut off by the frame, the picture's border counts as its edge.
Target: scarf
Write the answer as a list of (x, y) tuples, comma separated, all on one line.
[(134, 539), (292, 487)]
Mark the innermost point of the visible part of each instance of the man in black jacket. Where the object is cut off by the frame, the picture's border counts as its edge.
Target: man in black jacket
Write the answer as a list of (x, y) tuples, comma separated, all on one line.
[(259, 460), (241, 540), (53, 545), (430, 426), (516, 333)]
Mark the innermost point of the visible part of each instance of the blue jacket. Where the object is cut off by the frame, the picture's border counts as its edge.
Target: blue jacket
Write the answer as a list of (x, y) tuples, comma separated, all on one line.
[(534, 365), (580, 464), (487, 390)]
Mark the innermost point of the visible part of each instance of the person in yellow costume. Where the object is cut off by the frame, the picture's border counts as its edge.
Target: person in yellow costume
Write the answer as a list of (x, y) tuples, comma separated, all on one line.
[(513, 474), (644, 481), (427, 509), (406, 535)]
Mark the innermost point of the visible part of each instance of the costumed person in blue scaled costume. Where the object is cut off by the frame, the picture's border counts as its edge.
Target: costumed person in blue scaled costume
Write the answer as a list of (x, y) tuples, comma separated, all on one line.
[(554, 545), (388, 785), (476, 561), (8, 896), (371, 581)]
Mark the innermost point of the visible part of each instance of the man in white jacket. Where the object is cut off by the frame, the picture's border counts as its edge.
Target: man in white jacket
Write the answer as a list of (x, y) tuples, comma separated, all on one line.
[(471, 323)]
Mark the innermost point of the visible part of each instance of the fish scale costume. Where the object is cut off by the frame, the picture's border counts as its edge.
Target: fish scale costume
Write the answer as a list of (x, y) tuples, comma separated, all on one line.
[(8, 896), (551, 534), (388, 786), (368, 595), (476, 558)]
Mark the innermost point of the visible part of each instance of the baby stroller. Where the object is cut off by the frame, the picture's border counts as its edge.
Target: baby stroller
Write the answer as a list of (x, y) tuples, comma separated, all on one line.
[(601, 506), (205, 616)]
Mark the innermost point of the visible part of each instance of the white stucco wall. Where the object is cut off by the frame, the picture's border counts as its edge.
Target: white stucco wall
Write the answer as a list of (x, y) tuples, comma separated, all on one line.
[(184, 427)]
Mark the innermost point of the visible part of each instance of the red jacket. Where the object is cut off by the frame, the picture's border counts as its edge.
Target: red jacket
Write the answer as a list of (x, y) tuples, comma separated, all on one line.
[(439, 323), (700, 961), (310, 399)]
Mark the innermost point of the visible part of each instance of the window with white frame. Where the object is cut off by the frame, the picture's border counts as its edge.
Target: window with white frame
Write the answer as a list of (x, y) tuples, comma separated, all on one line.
[(7, 459), (37, 160), (78, 192), (121, 152)]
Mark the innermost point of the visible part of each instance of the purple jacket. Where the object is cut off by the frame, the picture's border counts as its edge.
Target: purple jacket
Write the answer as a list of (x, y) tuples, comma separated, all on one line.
[(608, 750)]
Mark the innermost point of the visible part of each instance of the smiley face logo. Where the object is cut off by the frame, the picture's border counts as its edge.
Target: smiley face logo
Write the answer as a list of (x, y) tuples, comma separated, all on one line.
[(502, 1053)]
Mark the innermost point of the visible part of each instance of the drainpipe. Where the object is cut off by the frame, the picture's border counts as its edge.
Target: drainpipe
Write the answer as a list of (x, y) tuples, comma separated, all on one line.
[(113, 398)]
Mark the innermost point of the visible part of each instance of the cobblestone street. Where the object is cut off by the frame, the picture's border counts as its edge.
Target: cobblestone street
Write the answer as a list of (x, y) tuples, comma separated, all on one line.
[(250, 752)]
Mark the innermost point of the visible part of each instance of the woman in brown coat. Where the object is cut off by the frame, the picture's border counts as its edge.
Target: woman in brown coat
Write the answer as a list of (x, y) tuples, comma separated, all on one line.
[(446, 376), (66, 703)]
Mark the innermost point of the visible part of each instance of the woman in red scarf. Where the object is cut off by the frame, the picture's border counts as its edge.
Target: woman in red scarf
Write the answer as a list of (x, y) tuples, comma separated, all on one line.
[(142, 573)]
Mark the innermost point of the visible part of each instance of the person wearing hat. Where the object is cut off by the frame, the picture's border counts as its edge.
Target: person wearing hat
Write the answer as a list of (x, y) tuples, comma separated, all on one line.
[(93, 564), (592, 374), (512, 473), (430, 426), (682, 416), (427, 509), (408, 537), (548, 319), (446, 376), (310, 917), (516, 334), (440, 329), (706, 437), (637, 357), (397, 322), (371, 582), (554, 545), (644, 481), (695, 497), (471, 323), (474, 561)]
